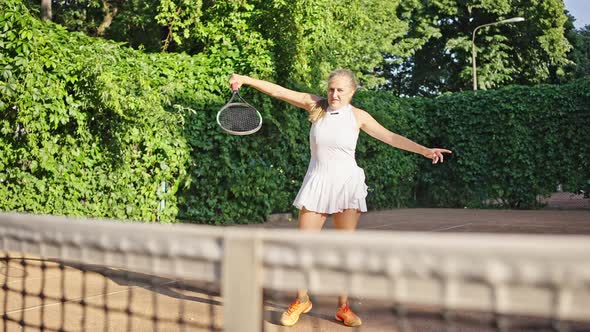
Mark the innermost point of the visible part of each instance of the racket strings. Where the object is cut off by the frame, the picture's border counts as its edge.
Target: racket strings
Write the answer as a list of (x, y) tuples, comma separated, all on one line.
[(239, 118)]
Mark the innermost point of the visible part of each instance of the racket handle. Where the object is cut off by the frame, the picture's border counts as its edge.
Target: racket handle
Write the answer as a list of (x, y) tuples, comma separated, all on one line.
[(234, 86)]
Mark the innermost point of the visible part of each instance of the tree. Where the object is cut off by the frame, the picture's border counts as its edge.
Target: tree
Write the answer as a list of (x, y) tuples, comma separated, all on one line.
[(131, 21), (311, 38), (506, 54), (110, 9), (579, 56), (415, 47), (304, 38), (46, 10)]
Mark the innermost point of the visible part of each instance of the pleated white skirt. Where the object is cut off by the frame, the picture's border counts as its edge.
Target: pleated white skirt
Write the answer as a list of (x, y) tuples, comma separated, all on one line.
[(332, 187)]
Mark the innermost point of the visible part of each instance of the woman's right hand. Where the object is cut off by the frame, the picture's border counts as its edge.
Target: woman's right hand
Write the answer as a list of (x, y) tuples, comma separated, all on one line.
[(236, 81)]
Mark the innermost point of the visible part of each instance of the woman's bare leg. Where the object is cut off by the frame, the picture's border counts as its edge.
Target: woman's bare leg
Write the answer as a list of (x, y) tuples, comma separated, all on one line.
[(309, 221), (346, 220)]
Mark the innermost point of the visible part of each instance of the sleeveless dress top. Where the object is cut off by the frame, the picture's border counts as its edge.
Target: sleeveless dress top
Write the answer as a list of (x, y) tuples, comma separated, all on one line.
[(333, 181)]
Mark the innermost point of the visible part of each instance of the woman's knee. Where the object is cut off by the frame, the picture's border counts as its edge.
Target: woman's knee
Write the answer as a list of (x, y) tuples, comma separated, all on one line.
[(310, 220), (347, 219)]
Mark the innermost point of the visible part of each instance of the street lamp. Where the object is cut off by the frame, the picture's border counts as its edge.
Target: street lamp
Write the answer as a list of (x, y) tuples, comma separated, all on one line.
[(510, 20)]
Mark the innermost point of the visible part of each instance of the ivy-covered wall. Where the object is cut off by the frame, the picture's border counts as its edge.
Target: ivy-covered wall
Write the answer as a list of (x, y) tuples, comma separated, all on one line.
[(92, 128), (510, 145)]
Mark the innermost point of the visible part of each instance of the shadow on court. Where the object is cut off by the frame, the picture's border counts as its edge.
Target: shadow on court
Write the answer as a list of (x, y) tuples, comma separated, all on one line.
[(99, 298)]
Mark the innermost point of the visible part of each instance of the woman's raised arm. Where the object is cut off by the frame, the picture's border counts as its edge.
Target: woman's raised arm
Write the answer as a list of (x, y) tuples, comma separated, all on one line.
[(299, 99)]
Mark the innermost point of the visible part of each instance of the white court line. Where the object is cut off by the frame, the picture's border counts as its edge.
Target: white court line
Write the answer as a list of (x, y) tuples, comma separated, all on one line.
[(432, 230), (18, 279), (451, 227), (375, 227), (89, 297)]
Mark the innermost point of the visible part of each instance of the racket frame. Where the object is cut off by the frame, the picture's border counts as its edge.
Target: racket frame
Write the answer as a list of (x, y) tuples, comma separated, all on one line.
[(241, 103), (239, 133)]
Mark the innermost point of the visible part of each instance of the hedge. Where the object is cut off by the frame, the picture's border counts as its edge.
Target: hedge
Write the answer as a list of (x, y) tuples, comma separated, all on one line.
[(511, 146)]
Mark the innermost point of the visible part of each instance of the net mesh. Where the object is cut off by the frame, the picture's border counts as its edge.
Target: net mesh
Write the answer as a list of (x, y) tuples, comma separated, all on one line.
[(49, 295), (61, 274), (239, 118)]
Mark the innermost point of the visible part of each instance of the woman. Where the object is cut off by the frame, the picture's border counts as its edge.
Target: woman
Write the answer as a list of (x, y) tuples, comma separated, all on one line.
[(333, 184)]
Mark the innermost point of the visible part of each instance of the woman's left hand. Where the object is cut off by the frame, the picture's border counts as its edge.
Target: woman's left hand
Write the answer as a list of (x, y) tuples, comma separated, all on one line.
[(436, 154)]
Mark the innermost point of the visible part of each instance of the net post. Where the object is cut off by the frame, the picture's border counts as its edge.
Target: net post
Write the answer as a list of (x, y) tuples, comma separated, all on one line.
[(242, 282)]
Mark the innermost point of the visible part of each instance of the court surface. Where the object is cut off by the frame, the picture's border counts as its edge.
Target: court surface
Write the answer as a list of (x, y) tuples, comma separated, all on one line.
[(203, 307), (378, 316)]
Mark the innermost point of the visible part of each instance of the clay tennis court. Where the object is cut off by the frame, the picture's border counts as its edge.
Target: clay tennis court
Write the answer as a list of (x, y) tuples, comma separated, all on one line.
[(202, 304), (380, 317)]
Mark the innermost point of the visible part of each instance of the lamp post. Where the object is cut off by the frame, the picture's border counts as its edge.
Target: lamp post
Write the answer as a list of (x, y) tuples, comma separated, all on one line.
[(510, 20)]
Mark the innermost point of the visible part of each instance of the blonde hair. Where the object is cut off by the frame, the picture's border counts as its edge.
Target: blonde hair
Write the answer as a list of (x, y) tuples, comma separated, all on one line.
[(321, 107), (318, 110), (346, 73)]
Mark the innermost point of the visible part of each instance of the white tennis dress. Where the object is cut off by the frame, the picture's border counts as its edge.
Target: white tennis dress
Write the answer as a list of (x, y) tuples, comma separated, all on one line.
[(333, 181)]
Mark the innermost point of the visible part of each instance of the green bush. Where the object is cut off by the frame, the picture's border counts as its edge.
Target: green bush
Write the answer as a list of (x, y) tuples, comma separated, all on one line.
[(510, 145), (89, 127), (92, 128)]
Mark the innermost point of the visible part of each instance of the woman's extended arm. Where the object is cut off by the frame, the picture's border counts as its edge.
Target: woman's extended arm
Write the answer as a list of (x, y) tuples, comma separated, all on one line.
[(369, 125), (299, 99)]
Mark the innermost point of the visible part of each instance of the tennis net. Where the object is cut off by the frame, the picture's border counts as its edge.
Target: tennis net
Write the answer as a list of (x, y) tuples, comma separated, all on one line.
[(75, 274)]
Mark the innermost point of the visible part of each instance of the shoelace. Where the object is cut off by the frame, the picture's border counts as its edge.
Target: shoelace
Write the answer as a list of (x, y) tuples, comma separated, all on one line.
[(293, 307)]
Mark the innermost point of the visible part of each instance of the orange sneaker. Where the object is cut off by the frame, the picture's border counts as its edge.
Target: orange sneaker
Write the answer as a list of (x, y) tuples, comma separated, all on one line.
[(347, 317), (291, 316)]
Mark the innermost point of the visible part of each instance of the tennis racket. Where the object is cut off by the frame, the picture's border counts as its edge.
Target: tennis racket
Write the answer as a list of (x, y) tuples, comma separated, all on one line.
[(238, 117)]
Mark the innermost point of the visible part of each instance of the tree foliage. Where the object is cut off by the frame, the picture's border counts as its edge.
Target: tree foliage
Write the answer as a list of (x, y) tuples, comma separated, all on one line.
[(523, 53), (413, 47), (88, 127), (303, 39), (579, 56), (312, 38)]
